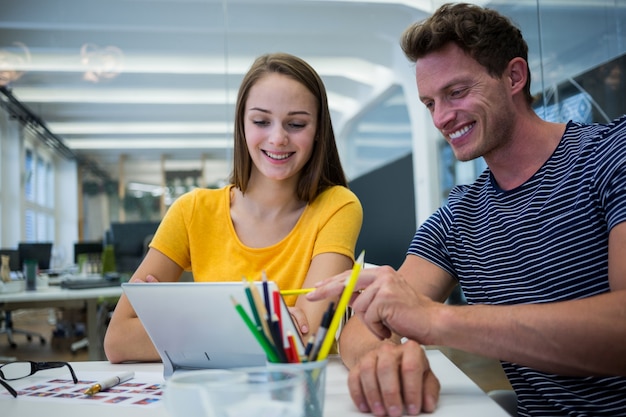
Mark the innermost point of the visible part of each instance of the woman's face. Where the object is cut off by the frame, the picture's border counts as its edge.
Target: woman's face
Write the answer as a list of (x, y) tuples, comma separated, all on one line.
[(280, 123)]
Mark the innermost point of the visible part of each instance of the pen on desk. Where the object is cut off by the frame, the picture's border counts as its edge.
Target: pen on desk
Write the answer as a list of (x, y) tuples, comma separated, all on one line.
[(298, 291), (109, 383)]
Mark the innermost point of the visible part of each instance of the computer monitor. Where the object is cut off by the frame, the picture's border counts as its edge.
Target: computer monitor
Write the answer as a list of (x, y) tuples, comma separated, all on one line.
[(41, 251), (88, 248), (129, 243)]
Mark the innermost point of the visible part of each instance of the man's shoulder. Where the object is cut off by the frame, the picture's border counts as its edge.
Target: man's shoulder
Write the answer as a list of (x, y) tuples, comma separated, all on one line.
[(587, 131)]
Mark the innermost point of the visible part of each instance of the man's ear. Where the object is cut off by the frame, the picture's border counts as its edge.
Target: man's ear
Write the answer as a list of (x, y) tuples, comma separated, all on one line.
[(517, 73)]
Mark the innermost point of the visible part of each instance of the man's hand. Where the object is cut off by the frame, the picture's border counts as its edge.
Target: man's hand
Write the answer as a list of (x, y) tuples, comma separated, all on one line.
[(393, 380), (385, 303)]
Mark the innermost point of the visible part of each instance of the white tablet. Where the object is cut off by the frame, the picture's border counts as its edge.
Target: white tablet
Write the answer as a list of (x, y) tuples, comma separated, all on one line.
[(194, 325)]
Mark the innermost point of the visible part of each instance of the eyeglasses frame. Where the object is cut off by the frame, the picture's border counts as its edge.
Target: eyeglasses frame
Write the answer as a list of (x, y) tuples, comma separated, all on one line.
[(34, 368)]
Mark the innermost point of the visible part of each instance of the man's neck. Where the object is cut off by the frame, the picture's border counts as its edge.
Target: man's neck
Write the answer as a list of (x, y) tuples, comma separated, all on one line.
[(534, 143)]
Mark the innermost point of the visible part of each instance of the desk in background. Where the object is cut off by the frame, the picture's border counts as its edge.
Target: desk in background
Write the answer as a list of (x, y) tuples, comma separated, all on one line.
[(58, 297), (459, 395)]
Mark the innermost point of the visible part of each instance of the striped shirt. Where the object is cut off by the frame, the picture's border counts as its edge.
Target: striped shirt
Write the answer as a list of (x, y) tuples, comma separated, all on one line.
[(544, 241)]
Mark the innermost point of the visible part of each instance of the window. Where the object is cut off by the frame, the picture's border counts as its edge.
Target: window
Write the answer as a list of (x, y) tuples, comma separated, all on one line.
[(38, 196), (379, 136)]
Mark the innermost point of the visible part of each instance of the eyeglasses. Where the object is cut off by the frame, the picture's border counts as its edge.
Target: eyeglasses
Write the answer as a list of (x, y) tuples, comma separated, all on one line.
[(17, 370)]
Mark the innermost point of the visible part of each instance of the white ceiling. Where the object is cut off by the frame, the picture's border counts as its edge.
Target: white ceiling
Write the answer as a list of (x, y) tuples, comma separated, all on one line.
[(157, 79)]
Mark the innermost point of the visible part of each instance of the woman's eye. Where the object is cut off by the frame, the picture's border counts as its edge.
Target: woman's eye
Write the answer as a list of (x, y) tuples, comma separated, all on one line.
[(260, 122), (297, 125)]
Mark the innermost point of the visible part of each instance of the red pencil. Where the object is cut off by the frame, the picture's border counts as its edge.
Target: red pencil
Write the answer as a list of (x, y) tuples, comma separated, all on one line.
[(276, 298), (295, 355)]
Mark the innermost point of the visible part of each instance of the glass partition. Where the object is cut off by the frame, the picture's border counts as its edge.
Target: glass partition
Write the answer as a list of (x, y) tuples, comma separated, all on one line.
[(578, 68), (145, 89)]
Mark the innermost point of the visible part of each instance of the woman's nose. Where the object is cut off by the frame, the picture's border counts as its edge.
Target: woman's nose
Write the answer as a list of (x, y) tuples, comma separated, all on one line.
[(279, 136)]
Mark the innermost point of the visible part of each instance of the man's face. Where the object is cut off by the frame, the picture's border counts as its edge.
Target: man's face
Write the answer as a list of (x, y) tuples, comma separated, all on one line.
[(473, 110)]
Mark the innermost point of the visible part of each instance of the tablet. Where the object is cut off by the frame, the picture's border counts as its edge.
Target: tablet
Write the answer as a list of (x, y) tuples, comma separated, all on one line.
[(194, 325)]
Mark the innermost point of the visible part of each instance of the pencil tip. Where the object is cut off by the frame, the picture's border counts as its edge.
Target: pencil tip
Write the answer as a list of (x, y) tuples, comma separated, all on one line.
[(361, 259)]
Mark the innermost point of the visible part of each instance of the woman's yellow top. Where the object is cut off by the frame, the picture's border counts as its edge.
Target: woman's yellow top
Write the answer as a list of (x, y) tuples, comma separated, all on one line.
[(197, 233)]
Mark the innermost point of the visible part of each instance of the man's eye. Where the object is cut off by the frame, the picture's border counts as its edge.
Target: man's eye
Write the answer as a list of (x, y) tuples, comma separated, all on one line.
[(458, 93)]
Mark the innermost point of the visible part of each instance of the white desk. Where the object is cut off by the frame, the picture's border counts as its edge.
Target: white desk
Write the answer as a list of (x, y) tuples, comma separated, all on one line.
[(459, 395), (59, 297)]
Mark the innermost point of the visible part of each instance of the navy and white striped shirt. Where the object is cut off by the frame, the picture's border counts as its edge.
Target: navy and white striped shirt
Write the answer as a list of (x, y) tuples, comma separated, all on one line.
[(544, 241)]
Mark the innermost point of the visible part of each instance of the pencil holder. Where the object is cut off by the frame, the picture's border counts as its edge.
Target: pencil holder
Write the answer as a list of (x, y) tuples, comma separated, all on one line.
[(236, 392), (315, 383)]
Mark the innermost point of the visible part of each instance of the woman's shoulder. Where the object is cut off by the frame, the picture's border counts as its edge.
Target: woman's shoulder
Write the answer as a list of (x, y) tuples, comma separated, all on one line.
[(204, 196), (338, 194)]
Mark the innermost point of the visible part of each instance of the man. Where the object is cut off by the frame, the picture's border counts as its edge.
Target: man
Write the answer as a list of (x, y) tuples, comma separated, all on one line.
[(537, 242)]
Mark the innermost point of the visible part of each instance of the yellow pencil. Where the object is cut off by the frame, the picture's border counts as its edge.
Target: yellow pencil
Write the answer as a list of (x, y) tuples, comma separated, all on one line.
[(298, 291), (348, 289)]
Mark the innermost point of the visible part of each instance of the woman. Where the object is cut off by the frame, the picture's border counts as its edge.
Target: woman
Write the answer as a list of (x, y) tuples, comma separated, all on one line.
[(287, 211)]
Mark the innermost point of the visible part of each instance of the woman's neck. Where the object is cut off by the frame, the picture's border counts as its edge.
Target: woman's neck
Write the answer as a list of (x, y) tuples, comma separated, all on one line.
[(269, 199), (263, 216)]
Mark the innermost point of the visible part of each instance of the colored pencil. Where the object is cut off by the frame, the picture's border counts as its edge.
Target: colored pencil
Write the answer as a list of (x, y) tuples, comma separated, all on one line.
[(293, 347), (259, 307), (309, 346), (277, 337), (297, 291), (321, 332), (266, 294), (255, 312), (277, 309), (341, 308), (256, 332)]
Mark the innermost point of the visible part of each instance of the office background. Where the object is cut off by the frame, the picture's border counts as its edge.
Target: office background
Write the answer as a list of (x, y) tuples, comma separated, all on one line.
[(111, 109)]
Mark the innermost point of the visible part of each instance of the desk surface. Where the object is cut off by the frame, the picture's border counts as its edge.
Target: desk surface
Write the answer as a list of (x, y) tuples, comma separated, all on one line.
[(55, 293), (459, 395)]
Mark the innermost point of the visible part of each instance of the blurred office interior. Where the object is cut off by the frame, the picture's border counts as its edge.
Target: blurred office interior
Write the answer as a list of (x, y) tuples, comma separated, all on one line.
[(110, 110)]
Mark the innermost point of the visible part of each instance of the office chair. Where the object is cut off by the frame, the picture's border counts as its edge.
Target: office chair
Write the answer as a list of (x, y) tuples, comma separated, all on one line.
[(6, 319), (9, 330)]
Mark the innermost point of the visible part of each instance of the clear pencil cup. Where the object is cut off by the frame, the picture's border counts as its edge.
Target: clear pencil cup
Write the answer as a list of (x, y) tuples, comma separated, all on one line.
[(315, 383)]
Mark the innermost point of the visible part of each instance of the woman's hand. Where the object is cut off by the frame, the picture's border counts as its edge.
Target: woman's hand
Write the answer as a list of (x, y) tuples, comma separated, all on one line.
[(299, 320), (148, 278)]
